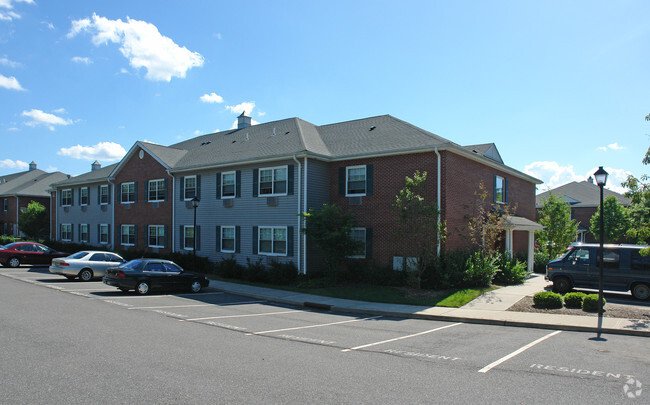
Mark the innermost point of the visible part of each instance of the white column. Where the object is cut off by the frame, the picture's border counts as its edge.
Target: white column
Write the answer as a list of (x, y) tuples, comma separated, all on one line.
[(509, 241), (531, 250)]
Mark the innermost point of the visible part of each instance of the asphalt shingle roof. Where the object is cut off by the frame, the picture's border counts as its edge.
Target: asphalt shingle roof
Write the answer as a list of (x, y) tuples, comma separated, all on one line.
[(34, 183), (93, 176), (581, 194)]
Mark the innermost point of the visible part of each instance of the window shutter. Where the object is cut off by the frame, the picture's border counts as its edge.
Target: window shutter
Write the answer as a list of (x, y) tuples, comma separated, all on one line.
[(60, 198), (182, 188), (198, 186), (71, 197), (237, 239), (165, 236), (197, 238), (118, 194), (368, 243), (108, 189), (146, 191), (255, 239), (135, 192), (341, 181), (99, 233), (369, 179), (218, 186), (181, 239), (218, 238), (290, 180), (238, 183), (290, 241), (255, 181), (505, 191), (79, 196), (72, 232), (165, 190), (108, 239), (99, 195), (79, 231)]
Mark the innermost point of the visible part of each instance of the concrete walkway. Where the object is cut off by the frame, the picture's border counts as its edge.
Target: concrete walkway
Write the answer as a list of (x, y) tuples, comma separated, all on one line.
[(490, 308)]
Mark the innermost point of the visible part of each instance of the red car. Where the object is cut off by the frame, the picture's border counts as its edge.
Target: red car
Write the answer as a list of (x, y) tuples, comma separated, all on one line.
[(15, 254)]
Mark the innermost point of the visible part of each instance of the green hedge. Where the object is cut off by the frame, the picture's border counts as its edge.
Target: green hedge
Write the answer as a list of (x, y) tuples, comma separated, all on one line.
[(574, 299), (590, 303), (547, 300)]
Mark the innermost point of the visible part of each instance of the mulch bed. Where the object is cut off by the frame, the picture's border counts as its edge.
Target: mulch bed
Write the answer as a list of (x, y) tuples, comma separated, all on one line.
[(526, 304)]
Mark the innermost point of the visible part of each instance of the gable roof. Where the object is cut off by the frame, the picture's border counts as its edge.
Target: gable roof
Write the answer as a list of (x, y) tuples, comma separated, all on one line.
[(93, 176), (581, 194), (488, 150), (33, 183)]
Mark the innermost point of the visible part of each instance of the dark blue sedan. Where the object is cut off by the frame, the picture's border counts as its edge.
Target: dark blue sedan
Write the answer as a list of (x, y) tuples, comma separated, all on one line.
[(145, 275)]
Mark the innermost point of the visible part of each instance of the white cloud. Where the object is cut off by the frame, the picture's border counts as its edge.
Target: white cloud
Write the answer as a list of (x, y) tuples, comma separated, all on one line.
[(13, 164), (246, 106), (42, 118), (59, 111), (80, 59), (611, 146), (211, 98), (9, 63), (552, 174), (8, 5), (48, 24), (142, 44), (103, 151), (615, 178), (10, 83)]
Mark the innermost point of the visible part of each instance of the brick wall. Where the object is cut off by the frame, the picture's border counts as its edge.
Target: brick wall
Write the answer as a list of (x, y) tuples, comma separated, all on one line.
[(142, 213), (10, 217), (582, 216)]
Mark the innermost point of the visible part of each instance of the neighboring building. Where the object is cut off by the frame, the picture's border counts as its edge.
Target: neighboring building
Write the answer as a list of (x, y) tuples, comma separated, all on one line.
[(18, 190), (254, 181), (584, 199)]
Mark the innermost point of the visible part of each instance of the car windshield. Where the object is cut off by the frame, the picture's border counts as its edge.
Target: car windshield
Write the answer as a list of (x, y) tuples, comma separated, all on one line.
[(78, 255), (11, 245), (132, 265)]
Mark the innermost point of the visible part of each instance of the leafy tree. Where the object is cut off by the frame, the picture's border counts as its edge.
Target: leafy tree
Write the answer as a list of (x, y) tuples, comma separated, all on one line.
[(33, 222), (329, 227), (419, 227), (485, 222), (639, 216), (559, 229), (616, 221)]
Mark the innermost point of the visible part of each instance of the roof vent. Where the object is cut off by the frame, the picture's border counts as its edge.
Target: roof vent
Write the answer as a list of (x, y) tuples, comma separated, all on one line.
[(372, 127), (206, 143), (95, 166), (32, 166), (243, 121)]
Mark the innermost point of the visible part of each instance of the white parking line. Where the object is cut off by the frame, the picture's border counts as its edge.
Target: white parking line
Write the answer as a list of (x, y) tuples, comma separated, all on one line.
[(239, 316), (400, 338), (176, 306), (516, 352), (312, 326)]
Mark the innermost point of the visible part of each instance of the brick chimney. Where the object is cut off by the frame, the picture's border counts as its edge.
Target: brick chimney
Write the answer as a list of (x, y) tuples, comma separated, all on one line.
[(243, 121)]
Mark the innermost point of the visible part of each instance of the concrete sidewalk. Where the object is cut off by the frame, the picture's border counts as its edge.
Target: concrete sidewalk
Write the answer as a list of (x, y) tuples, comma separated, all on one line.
[(490, 308)]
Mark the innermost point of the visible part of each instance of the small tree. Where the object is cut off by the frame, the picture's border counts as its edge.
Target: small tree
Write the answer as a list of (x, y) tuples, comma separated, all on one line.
[(329, 227), (559, 229), (616, 221), (485, 222), (419, 227), (639, 209), (33, 221)]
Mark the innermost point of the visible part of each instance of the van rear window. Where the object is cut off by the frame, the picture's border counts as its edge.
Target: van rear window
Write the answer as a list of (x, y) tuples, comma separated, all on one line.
[(640, 262), (611, 259)]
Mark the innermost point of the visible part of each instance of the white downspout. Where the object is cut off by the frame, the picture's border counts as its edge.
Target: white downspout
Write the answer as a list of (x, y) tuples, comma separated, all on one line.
[(112, 213), (438, 194), (56, 216), (299, 211), (304, 237), (173, 197)]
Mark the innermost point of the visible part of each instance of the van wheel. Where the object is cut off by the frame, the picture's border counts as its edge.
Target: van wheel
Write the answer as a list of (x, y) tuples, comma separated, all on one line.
[(562, 285), (641, 291)]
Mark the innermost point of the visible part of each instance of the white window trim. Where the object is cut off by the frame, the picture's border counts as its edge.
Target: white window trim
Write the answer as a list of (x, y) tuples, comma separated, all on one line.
[(234, 232), (101, 187), (259, 240), (87, 233), (108, 236), (503, 189), (184, 228), (365, 252), (149, 189), (69, 232), (273, 169), (157, 235), (347, 178), (71, 196), (234, 173), (122, 235), (87, 196), (196, 185), (122, 192)]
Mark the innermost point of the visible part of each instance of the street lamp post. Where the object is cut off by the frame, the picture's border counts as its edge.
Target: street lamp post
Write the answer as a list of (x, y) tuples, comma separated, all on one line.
[(195, 205), (601, 180)]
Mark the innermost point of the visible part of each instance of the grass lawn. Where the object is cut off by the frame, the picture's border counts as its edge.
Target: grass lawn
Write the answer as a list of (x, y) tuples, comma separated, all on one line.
[(392, 295)]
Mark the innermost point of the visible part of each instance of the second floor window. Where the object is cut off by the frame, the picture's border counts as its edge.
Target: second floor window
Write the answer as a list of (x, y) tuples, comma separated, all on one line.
[(500, 189), (83, 196), (157, 191), (189, 187), (228, 185), (103, 195), (356, 181), (128, 192), (5, 205), (273, 181), (66, 197)]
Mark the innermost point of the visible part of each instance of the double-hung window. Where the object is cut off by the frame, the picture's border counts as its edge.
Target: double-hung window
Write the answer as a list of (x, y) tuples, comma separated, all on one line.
[(228, 239), (66, 232), (356, 181), (228, 182), (359, 236), (83, 233), (5, 205), (157, 191), (157, 236), (103, 234), (273, 241), (189, 187), (103, 194), (66, 197), (83, 196), (188, 237), (128, 235), (273, 181), (128, 193), (500, 189)]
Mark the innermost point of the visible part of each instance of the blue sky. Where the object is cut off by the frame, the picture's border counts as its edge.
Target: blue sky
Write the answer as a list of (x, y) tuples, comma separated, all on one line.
[(560, 87)]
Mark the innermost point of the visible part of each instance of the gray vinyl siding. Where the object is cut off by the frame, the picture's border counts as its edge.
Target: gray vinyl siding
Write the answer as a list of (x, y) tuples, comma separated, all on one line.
[(246, 212), (92, 214)]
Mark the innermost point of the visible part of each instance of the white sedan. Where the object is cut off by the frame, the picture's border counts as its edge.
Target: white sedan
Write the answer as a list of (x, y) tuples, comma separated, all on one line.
[(86, 264)]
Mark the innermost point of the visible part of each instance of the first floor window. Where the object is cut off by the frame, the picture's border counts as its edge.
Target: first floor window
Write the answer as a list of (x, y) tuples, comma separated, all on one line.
[(66, 232), (103, 194), (128, 192), (103, 234), (157, 191), (356, 181), (188, 238), (157, 236), (83, 196), (273, 240), (83, 233), (128, 235), (228, 239), (359, 235), (66, 197)]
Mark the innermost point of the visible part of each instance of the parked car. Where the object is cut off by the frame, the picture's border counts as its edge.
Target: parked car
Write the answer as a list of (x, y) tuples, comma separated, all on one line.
[(624, 269), (17, 253), (85, 264), (145, 275)]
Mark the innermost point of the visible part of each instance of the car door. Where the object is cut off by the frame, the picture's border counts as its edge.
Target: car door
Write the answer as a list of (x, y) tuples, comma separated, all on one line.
[(27, 254), (99, 264), (175, 278), (155, 273), (613, 277), (577, 265)]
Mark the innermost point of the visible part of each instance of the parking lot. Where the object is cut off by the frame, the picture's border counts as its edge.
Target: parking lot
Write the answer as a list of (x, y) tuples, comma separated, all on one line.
[(604, 367)]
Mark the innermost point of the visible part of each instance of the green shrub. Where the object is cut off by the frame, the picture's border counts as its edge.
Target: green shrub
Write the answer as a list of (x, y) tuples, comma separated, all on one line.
[(282, 273), (229, 268), (511, 271), (256, 271), (6, 239), (574, 299), (542, 258), (547, 300), (590, 303), (480, 270), (445, 271)]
